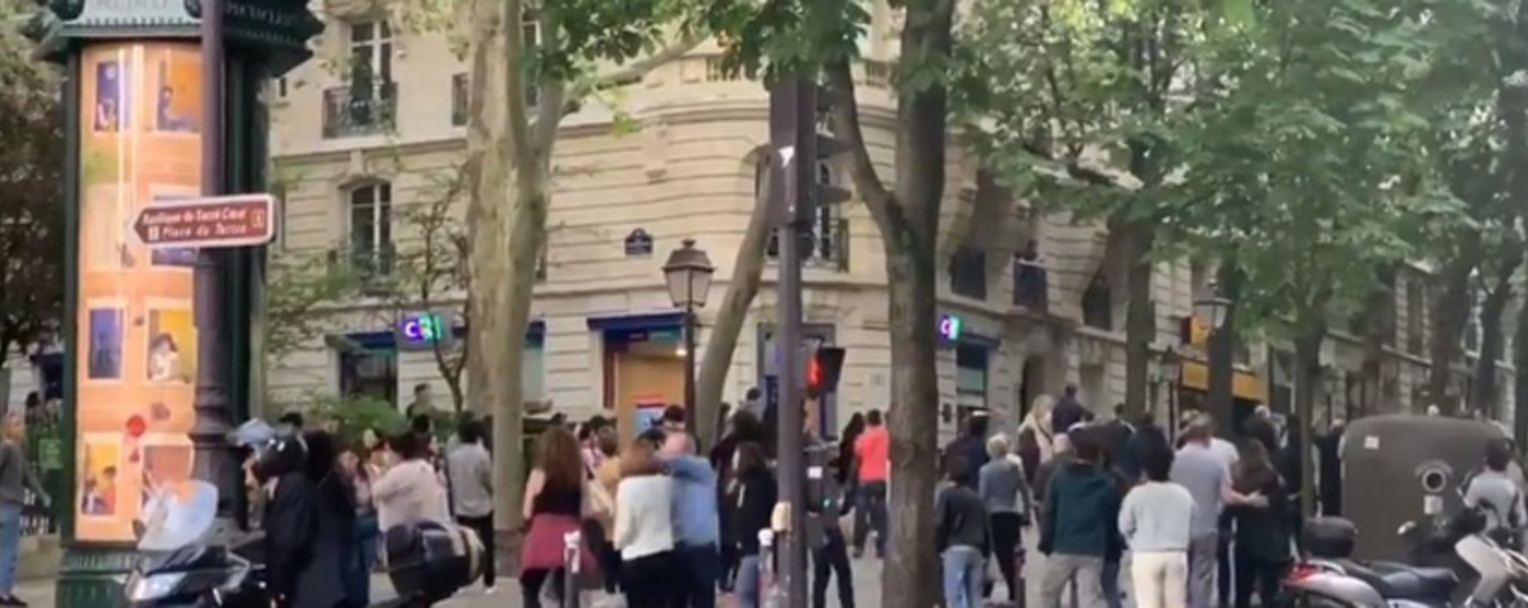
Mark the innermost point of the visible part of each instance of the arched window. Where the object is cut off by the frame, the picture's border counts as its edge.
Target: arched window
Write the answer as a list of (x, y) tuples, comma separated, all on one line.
[(371, 227)]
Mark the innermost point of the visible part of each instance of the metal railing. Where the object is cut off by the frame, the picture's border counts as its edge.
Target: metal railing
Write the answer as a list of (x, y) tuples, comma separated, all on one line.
[(354, 111), (1030, 285), (828, 246)]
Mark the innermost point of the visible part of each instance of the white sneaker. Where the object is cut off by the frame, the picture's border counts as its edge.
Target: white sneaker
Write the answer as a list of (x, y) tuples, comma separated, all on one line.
[(490, 590)]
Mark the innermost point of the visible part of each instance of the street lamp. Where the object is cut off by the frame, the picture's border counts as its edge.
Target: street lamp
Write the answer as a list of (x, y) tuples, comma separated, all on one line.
[(1171, 368), (688, 274), (1212, 310)]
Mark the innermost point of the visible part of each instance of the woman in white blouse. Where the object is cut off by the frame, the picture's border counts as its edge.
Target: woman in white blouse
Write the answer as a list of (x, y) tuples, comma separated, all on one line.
[(644, 531), (409, 491)]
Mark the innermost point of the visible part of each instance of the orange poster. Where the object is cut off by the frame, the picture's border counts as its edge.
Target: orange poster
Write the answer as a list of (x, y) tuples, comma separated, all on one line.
[(136, 357)]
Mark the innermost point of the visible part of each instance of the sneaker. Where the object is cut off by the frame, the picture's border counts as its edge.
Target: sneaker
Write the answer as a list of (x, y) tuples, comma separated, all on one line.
[(490, 590), (12, 601)]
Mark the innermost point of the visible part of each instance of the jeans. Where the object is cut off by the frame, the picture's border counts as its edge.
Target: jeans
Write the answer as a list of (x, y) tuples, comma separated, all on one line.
[(963, 571), (832, 559), (1110, 584), (358, 573), (698, 567), (1007, 542), (1160, 579), (870, 514), (10, 545), (1085, 572), (1486, 561), (1203, 563), (1266, 575), (747, 583)]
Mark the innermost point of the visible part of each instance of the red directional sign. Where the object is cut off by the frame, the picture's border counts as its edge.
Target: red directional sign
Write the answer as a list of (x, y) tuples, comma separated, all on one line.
[(240, 220)]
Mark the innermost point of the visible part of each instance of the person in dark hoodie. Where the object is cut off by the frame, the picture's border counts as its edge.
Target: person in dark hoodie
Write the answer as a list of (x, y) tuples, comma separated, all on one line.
[(1077, 525), (971, 445), (1068, 411), (306, 567), (961, 534), (748, 502)]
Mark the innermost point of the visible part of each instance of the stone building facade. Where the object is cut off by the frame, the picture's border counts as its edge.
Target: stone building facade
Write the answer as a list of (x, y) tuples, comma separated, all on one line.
[(1031, 319)]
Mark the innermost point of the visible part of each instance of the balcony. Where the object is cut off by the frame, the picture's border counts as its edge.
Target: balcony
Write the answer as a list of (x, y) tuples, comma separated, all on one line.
[(349, 112), (1030, 288), (828, 246), (370, 267)]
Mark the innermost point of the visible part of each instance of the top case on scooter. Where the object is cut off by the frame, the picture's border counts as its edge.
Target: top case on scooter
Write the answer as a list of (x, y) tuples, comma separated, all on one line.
[(429, 560)]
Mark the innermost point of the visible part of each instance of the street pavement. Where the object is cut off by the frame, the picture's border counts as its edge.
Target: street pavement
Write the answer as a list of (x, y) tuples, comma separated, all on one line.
[(867, 590)]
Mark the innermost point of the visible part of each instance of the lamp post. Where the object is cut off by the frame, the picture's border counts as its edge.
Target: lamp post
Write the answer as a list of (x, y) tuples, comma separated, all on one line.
[(1215, 311), (688, 274), (1171, 368)]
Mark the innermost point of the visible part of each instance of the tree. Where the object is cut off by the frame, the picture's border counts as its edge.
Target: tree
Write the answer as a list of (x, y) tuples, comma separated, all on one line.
[(813, 39), (511, 137), (32, 279), (422, 275), (742, 287), (1305, 161), (1079, 101)]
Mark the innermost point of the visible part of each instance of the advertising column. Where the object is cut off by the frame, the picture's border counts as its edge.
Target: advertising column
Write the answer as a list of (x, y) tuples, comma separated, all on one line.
[(140, 146)]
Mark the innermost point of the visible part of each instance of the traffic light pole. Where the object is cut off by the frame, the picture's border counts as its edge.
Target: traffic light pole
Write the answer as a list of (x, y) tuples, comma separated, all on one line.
[(792, 111)]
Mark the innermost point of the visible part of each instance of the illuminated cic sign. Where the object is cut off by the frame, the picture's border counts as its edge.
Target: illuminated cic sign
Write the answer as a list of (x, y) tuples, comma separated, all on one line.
[(422, 330), (950, 327)]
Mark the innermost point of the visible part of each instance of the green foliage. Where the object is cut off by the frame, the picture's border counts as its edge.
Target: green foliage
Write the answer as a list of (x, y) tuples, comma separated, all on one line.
[(31, 194), (353, 416), (1305, 165)]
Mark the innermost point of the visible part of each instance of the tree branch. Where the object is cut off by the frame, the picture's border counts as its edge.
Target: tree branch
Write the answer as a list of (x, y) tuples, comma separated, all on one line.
[(846, 128), (632, 73)]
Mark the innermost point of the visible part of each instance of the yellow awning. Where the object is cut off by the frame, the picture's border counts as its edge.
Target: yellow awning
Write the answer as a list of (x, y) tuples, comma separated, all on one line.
[(1244, 385)]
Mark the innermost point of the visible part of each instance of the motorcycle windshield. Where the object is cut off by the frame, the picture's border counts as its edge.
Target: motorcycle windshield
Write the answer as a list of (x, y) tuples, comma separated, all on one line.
[(177, 515)]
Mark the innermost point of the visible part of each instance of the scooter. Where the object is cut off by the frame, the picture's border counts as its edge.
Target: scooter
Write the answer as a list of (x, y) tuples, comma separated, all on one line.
[(1330, 574), (186, 563)]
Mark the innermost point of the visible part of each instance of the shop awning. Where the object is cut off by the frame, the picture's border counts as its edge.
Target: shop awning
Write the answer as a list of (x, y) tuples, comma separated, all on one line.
[(1244, 385)]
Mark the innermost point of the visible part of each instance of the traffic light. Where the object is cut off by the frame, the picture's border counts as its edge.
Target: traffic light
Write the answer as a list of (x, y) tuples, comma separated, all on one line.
[(823, 370), (800, 137)]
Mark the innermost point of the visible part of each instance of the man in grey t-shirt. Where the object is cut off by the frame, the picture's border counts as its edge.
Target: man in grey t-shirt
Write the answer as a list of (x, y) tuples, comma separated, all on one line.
[(1205, 472)]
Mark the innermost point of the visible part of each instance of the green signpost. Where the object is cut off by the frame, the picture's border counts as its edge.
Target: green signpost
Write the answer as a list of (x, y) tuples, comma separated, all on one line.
[(161, 105)]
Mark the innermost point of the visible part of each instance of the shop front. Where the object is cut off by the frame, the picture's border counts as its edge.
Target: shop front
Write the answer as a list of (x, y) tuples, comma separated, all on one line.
[(1247, 391), (643, 365)]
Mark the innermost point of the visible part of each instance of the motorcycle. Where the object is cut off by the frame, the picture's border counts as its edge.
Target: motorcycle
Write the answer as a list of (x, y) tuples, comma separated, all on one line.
[(186, 561), (1329, 575)]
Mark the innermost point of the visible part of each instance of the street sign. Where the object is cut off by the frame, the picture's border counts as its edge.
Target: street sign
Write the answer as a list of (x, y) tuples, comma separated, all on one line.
[(240, 220)]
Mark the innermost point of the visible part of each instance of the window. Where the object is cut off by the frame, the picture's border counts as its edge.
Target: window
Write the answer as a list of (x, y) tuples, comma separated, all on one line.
[(968, 273), (1098, 305), (971, 370), (279, 87), (530, 32), (1029, 279), (371, 228), (828, 233), (364, 105), (371, 373)]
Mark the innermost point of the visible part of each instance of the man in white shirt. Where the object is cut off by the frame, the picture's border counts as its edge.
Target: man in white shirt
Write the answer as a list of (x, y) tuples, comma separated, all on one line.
[(470, 469)]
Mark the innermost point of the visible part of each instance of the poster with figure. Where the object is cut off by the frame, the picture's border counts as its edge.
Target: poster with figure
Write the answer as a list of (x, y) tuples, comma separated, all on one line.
[(111, 107), (135, 351), (105, 349)]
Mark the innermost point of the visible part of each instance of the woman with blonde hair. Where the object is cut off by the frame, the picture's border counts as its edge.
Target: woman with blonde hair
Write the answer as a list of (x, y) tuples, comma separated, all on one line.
[(644, 532), (1039, 421), (554, 506), (15, 479)]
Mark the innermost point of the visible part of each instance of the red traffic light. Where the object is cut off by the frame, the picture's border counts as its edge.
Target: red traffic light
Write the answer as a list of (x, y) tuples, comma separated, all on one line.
[(823, 369)]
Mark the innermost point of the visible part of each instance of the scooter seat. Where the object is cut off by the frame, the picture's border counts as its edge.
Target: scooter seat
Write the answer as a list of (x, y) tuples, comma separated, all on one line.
[(1410, 583)]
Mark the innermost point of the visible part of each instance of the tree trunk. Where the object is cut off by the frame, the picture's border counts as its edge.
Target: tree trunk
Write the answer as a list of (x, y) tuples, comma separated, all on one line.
[(1311, 327), (1378, 330), (1448, 323), (742, 286), (908, 579), (1520, 380), (1140, 319), (1498, 295)]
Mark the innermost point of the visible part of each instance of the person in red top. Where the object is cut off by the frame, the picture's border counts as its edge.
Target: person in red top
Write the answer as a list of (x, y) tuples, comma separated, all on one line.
[(872, 462)]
